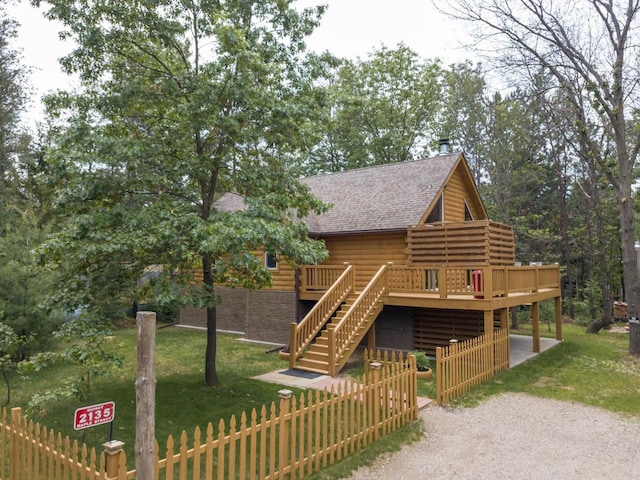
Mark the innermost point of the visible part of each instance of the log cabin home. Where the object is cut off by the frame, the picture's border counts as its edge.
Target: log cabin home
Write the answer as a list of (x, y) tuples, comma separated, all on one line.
[(414, 262)]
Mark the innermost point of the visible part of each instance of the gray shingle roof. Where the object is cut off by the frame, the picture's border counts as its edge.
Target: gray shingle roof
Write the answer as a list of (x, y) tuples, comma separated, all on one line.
[(379, 198)]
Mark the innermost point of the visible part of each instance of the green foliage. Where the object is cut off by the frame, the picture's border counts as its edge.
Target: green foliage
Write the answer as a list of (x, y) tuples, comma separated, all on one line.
[(87, 346), (174, 113), (382, 109), (10, 344), (422, 361)]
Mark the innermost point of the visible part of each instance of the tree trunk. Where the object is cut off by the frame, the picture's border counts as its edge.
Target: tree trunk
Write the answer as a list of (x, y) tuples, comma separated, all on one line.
[(514, 318), (597, 325), (210, 373), (603, 270), (629, 259), (561, 170)]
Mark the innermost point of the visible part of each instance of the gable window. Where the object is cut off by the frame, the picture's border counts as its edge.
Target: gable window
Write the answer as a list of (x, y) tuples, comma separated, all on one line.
[(270, 261), (468, 216), (435, 215)]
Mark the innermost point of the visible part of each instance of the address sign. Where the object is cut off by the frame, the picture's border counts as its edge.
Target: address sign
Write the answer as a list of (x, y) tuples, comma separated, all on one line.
[(93, 415)]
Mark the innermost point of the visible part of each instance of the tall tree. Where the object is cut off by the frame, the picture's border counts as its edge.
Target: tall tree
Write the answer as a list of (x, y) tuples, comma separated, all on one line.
[(182, 100), (13, 98), (591, 47), (23, 283), (383, 109), (464, 113)]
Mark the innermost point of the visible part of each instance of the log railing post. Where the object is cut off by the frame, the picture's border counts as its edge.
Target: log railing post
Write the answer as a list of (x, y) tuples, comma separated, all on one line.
[(332, 358), (487, 283), (442, 282), (293, 344)]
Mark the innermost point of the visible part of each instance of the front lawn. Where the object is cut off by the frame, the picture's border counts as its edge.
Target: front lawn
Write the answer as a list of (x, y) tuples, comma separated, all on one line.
[(182, 400), (590, 369)]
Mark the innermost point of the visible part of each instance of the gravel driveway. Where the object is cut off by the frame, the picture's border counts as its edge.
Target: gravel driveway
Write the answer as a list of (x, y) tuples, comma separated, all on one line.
[(516, 436)]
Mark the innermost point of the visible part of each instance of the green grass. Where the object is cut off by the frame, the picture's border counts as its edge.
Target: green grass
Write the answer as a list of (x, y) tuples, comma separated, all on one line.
[(589, 369), (182, 400)]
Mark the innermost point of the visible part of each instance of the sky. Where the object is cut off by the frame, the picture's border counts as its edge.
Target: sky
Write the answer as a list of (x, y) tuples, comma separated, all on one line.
[(349, 28)]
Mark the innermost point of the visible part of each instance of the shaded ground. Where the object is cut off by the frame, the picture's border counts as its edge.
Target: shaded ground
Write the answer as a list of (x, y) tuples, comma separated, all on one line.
[(517, 436)]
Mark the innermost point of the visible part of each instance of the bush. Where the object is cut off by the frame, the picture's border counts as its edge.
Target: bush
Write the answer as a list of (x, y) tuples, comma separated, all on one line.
[(422, 361)]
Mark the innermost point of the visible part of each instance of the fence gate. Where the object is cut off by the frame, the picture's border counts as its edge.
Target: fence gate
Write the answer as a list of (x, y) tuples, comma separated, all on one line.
[(461, 366)]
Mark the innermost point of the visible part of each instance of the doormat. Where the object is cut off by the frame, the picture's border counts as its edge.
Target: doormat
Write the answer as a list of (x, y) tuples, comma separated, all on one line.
[(301, 374)]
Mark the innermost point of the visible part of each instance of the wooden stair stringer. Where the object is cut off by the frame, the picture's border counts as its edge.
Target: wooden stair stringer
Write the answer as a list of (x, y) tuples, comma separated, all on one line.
[(358, 335), (316, 357)]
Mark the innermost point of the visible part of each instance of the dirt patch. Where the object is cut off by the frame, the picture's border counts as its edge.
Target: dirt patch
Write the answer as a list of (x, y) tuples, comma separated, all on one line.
[(516, 436)]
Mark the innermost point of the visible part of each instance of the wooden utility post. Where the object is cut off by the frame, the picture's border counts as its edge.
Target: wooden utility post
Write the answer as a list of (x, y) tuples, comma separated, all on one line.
[(145, 396)]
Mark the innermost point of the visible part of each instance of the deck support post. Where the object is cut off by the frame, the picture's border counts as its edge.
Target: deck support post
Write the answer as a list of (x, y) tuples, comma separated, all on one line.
[(535, 322), (488, 322), (558, 318), (504, 317)]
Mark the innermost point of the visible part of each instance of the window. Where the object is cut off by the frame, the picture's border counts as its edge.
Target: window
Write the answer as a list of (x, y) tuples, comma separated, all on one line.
[(435, 215), (270, 261), (468, 216)]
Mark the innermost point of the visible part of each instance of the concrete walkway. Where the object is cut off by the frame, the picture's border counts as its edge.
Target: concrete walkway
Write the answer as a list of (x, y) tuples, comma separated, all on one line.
[(520, 348)]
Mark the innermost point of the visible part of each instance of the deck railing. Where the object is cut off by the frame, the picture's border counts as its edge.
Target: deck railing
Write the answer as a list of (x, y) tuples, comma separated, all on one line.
[(302, 333), (480, 282), (315, 278), (342, 336)]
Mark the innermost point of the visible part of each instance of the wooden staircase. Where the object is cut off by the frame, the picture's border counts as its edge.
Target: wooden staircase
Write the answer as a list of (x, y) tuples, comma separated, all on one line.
[(342, 331), (316, 357)]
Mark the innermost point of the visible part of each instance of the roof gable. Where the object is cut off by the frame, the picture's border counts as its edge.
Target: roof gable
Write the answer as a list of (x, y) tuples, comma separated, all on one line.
[(380, 198)]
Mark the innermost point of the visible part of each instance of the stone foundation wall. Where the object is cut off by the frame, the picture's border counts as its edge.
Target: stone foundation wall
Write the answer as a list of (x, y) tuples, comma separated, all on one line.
[(269, 316), (262, 315)]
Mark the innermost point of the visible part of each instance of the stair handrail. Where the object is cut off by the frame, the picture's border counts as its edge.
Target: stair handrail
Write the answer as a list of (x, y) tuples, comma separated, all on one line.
[(342, 333), (302, 333)]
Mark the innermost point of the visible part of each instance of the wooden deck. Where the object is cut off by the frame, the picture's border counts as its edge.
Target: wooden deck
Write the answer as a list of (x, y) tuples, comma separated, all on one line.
[(344, 313), (480, 288)]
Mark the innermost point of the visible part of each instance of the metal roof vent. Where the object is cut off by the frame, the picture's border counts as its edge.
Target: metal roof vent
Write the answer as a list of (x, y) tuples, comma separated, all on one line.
[(445, 146)]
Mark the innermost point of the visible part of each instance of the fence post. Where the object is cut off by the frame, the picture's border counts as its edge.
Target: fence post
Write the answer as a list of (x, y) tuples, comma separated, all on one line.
[(285, 431), (377, 398), (14, 443), (145, 386), (440, 373), (113, 452)]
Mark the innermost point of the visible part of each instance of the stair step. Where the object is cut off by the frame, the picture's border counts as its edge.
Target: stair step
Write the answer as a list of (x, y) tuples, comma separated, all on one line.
[(317, 356), (313, 365)]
